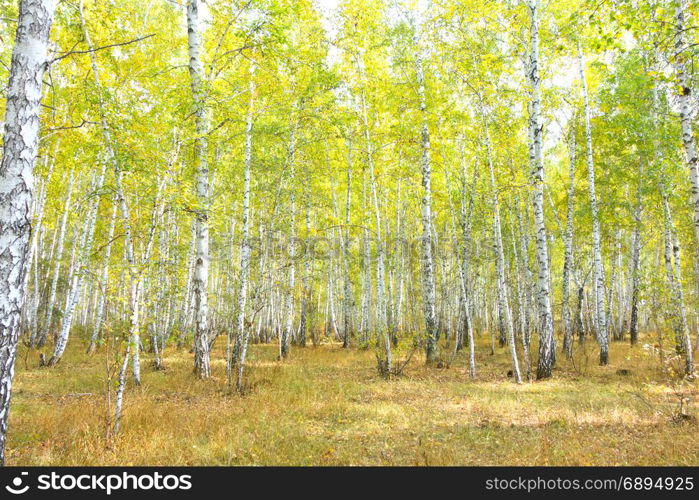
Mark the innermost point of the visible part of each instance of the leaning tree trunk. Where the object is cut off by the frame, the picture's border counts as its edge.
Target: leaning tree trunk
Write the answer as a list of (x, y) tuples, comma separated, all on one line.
[(502, 296), (38, 213), (103, 280), (134, 281), (76, 283), (546, 346), (674, 276), (57, 266), (381, 323), (201, 265), (20, 148)]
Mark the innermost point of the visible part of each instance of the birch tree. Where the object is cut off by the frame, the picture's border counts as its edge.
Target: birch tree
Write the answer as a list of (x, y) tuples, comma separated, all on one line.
[(201, 266), (598, 264), (19, 153), (546, 346)]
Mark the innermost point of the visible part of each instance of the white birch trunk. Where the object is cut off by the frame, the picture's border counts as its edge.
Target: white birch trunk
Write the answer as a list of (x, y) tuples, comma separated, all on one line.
[(243, 330), (684, 97), (599, 276), (546, 341), (502, 296), (568, 249), (20, 149), (287, 330), (134, 282), (683, 342), (347, 289), (103, 281), (76, 285), (201, 266), (381, 323), (57, 265), (428, 278)]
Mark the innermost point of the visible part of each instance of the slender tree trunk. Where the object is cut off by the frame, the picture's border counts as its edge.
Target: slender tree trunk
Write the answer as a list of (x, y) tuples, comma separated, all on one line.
[(502, 296), (546, 345), (683, 342), (347, 291), (636, 258), (103, 281), (684, 97), (242, 329), (57, 265), (187, 294), (464, 264), (366, 277), (381, 324), (201, 265), (287, 331), (428, 280), (37, 233), (76, 283), (599, 278), (134, 281), (305, 292), (568, 249)]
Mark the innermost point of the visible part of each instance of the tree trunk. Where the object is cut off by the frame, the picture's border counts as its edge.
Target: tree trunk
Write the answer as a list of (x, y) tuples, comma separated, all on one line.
[(20, 149), (504, 311), (636, 258), (77, 281), (684, 99), (347, 289), (428, 281), (568, 249), (546, 346), (242, 329), (57, 265), (599, 278), (103, 281), (201, 264), (381, 324), (287, 330)]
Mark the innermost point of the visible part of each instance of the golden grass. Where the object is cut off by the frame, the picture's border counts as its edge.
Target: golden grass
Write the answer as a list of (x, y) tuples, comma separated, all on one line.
[(327, 406)]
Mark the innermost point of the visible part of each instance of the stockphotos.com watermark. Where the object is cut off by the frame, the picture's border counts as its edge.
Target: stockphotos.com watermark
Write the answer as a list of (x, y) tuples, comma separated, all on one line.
[(106, 483)]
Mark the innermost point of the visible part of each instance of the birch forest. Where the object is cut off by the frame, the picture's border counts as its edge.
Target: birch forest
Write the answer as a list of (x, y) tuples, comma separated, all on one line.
[(336, 232)]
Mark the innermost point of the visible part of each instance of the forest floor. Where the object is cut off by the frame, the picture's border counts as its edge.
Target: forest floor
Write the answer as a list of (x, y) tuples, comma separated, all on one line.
[(328, 406)]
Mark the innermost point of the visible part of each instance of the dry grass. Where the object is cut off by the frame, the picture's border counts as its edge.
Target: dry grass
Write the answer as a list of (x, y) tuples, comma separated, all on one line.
[(326, 406)]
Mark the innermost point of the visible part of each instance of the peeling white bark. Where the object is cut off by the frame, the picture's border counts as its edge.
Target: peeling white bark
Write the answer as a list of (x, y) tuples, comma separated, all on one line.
[(20, 149)]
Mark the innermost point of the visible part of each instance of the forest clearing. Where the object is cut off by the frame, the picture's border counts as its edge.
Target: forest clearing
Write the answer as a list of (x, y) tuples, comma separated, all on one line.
[(349, 232), (327, 406)]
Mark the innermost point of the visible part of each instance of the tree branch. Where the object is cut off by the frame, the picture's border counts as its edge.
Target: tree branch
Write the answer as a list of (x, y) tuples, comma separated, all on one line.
[(119, 44)]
